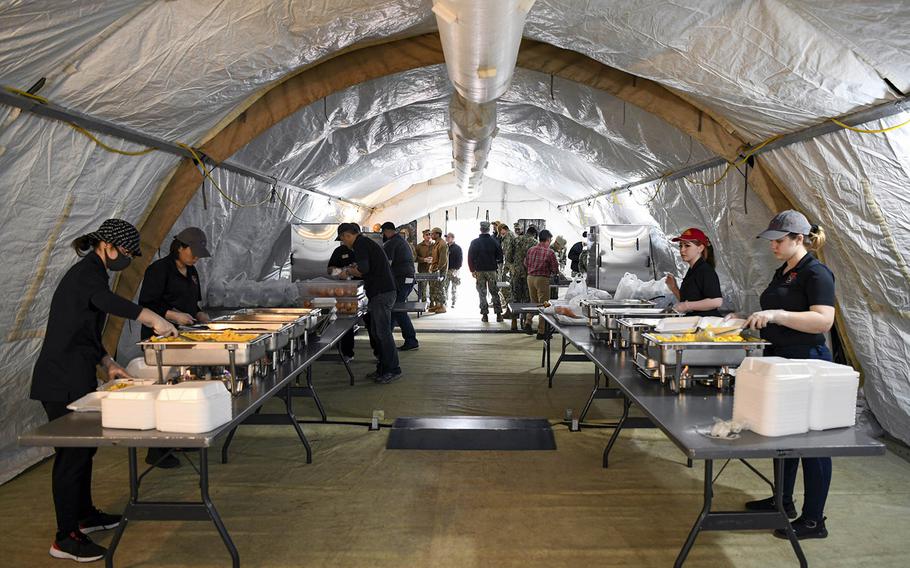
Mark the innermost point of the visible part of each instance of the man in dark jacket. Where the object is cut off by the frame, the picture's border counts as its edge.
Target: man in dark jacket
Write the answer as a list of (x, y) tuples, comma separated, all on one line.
[(453, 281), (402, 262), (371, 264), (575, 254), (484, 256)]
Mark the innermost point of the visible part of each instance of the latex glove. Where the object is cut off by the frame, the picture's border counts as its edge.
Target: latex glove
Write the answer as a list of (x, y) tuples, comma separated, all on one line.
[(180, 318), (113, 370), (760, 320), (682, 307), (163, 327), (203, 317)]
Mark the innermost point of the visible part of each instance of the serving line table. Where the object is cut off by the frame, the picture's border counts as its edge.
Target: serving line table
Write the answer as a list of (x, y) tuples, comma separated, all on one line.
[(680, 416), (84, 430)]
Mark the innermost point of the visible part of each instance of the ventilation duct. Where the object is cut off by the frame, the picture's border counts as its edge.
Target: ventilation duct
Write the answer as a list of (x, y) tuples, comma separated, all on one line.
[(480, 40)]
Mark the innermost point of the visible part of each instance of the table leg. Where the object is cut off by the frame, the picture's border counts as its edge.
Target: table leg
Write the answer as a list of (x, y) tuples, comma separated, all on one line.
[(210, 507), (546, 340), (309, 385), (626, 403), (558, 360), (705, 511), (347, 367), (779, 503), (584, 412), (127, 512), (289, 407), (227, 444)]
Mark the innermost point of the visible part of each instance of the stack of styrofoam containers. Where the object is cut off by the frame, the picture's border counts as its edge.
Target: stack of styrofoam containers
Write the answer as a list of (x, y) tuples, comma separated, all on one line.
[(193, 407), (132, 408), (772, 396), (832, 394)]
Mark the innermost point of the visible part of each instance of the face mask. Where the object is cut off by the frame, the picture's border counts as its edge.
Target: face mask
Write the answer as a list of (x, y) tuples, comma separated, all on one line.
[(117, 264)]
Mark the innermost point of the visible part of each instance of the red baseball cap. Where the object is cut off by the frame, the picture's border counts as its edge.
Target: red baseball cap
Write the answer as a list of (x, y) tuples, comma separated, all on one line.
[(693, 235)]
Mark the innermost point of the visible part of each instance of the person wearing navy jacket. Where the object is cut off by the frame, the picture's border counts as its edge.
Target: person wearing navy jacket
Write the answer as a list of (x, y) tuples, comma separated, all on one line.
[(66, 371), (797, 310)]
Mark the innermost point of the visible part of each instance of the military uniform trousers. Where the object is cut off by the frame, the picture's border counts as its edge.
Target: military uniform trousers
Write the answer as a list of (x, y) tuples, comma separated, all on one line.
[(486, 282), (450, 285)]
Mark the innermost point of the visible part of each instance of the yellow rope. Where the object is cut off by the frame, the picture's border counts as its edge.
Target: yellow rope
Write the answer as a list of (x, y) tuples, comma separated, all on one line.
[(208, 174), (872, 131), (104, 146)]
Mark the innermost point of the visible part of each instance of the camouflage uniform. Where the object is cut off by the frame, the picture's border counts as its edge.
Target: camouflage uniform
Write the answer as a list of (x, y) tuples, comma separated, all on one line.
[(503, 276), (517, 267), (559, 247), (486, 281), (440, 266), (450, 284), (422, 250)]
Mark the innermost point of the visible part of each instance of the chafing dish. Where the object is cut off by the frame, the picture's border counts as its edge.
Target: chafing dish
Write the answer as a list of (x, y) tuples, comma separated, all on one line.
[(632, 330), (682, 363), (231, 354), (607, 327), (303, 320), (279, 333), (589, 306)]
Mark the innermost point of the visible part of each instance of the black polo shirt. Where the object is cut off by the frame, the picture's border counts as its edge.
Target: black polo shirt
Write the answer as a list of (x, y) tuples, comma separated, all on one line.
[(165, 288), (341, 257), (65, 369), (374, 265), (809, 283), (701, 283)]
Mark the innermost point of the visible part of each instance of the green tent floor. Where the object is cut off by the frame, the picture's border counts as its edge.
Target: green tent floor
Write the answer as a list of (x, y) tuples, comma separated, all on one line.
[(360, 505)]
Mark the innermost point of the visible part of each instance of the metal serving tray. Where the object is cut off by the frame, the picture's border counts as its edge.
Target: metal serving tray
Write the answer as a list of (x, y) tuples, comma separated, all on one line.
[(609, 317), (632, 330), (589, 306), (205, 353), (701, 353), (279, 333), (302, 323)]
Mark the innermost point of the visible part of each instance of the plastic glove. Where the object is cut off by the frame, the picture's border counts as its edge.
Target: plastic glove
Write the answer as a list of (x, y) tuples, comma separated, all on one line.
[(682, 307), (164, 328), (760, 320), (180, 318)]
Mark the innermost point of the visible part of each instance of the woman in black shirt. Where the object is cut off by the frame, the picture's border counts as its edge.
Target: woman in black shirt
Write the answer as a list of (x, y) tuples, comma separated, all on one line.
[(65, 371), (797, 310), (700, 293), (171, 289)]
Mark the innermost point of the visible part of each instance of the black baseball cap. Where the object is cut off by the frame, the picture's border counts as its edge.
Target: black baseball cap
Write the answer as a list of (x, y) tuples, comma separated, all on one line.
[(194, 238), (784, 223), (347, 228), (388, 226)]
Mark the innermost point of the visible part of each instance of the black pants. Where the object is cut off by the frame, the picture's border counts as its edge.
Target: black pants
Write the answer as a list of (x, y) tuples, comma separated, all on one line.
[(71, 480), (380, 312), (816, 471)]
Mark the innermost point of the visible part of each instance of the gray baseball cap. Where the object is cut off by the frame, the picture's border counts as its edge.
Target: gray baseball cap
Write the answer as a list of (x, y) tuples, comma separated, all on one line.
[(194, 238), (784, 223)]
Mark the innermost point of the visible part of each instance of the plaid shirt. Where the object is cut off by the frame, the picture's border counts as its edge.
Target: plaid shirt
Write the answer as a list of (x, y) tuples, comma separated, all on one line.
[(541, 261)]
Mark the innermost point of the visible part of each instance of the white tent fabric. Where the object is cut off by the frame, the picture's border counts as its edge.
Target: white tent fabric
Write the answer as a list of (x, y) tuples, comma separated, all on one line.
[(181, 69)]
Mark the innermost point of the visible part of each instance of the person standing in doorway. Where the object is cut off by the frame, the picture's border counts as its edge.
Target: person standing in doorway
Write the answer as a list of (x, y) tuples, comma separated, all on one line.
[(439, 266), (453, 280), (371, 264), (575, 256), (541, 264), (424, 254), (484, 255), (402, 263)]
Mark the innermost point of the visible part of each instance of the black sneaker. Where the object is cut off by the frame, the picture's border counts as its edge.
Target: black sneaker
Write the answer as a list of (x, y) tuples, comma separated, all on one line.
[(157, 458), (485, 318), (98, 521), (374, 376), (768, 505), (412, 347), (540, 336), (805, 528), (499, 318), (389, 378), (347, 358), (76, 546)]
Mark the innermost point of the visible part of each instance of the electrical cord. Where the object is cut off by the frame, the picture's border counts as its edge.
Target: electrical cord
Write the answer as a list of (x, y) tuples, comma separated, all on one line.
[(868, 131)]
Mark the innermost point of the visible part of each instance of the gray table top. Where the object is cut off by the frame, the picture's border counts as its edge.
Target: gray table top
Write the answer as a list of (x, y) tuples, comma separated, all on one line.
[(527, 307), (410, 307), (83, 429), (680, 415)]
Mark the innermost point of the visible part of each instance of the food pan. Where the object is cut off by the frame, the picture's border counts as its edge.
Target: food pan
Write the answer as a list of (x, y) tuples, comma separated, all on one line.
[(608, 318), (279, 333), (205, 353), (632, 330), (701, 353)]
